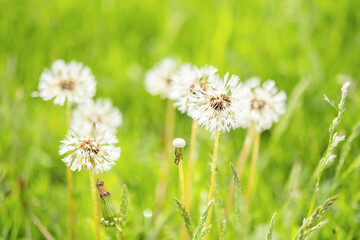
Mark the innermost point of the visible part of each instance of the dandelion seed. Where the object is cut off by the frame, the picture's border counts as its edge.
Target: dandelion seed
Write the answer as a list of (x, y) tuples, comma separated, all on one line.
[(91, 148), (184, 82), (223, 106), (100, 111), (267, 104), (73, 82), (158, 80)]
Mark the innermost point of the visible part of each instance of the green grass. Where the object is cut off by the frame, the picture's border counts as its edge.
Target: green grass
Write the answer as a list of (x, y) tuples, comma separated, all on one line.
[(302, 45)]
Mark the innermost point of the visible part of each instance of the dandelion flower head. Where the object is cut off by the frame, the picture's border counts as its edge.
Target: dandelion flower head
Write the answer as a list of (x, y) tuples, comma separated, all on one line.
[(73, 82), (101, 111), (223, 106), (91, 148), (158, 80), (184, 82), (267, 103)]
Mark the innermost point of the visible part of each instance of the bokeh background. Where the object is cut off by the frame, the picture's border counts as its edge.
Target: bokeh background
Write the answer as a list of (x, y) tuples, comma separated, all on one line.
[(308, 47)]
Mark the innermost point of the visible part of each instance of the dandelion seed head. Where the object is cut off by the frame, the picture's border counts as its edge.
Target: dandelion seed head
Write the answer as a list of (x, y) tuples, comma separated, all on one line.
[(101, 111), (159, 79), (223, 106), (185, 81), (266, 103), (91, 147), (179, 143), (220, 103), (72, 82)]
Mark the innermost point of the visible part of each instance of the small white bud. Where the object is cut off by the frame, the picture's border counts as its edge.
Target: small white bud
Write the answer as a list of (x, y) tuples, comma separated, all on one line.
[(106, 223), (112, 224), (102, 220), (179, 143)]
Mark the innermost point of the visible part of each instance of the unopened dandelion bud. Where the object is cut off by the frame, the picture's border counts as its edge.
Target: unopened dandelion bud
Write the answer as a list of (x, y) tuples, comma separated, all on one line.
[(110, 209), (179, 145)]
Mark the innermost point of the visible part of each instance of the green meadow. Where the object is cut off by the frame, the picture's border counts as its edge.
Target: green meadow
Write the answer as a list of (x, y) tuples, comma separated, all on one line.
[(309, 48)]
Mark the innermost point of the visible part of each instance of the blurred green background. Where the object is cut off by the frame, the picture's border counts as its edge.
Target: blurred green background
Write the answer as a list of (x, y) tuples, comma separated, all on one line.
[(307, 47)]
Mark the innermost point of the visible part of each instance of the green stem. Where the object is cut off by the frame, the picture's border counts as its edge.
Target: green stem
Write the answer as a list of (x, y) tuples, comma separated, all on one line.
[(95, 205), (169, 132), (191, 161), (184, 198), (69, 182), (119, 233), (254, 158), (244, 154), (213, 175)]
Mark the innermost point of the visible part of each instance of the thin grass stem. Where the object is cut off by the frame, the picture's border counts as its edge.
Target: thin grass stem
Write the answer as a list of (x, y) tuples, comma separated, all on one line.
[(119, 233), (168, 136), (191, 162), (213, 176), (254, 158), (95, 205), (69, 182), (183, 234), (243, 156)]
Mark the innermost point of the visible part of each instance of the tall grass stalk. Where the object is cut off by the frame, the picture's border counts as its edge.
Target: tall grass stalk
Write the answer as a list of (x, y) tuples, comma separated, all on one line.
[(69, 182), (169, 132), (191, 161), (243, 156), (334, 140), (310, 224), (254, 158), (271, 228), (213, 175), (95, 205)]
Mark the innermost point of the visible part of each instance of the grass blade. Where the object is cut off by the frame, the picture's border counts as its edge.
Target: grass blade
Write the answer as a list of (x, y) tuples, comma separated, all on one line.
[(201, 229), (271, 228), (185, 216), (124, 206), (310, 223)]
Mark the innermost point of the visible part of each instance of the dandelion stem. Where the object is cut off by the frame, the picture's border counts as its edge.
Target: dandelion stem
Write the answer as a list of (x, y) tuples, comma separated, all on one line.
[(169, 131), (191, 161), (95, 205), (254, 158), (213, 175), (183, 195), (244, 154), (69, 182)]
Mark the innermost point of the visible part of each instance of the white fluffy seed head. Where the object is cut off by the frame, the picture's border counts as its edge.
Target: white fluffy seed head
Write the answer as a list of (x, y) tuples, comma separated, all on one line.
[(91, 147), (159, 79), (184, 81), (223, 106), (72, 82), (100, 111), (267, 104), (179, 143)]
